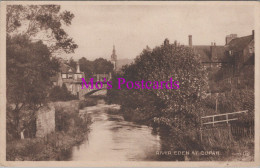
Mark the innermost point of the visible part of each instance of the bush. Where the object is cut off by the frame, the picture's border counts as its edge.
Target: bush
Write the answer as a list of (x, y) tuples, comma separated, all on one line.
[(71, 129), (90, 101), (160, 64), (61, 94)]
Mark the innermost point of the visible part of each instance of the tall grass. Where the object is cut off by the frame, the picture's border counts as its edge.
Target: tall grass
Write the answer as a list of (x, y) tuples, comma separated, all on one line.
[(71, 129)]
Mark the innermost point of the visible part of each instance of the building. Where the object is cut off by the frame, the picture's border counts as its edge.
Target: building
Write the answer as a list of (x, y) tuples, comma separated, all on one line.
[(114, 58), (70, 77), (228, 66), (102, 77), (211, 56), (107, 76), (240, 52)]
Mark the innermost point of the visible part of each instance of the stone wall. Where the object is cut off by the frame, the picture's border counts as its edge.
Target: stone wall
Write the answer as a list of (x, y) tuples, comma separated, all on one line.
[(68, 106), (85, 90), (102, 92), (45, 120)]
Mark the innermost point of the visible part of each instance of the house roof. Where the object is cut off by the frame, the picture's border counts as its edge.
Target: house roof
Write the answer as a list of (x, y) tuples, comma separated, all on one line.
[(238, 44), (218, 53), (203, 52), (209, 53), (64, 68)]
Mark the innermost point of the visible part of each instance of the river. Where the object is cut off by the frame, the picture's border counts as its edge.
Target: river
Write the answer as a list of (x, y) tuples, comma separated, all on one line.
[(112, 138)]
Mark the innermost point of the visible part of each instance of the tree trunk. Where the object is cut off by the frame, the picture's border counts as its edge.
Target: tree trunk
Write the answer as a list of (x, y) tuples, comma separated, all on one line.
[(16, 120)]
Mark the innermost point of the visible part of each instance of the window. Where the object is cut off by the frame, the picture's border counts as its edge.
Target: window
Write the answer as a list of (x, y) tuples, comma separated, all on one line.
[(251, 50), (230, 52), (70, 75), (64, 76)]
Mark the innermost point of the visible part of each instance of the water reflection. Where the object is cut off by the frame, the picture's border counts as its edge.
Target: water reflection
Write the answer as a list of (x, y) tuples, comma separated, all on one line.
[(114, 139)]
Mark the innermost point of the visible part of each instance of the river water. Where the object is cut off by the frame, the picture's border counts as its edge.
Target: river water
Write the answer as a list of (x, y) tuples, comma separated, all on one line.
[(112, 138)]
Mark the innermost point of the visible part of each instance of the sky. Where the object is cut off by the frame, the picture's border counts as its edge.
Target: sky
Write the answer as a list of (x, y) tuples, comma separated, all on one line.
[(96, 28)]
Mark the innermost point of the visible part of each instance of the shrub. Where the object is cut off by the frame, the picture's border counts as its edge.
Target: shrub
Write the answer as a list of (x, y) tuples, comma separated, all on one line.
[(162, 63), (61, 94)]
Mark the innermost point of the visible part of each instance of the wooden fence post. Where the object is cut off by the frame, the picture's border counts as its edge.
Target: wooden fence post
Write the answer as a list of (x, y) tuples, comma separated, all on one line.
[(229, 132), (227, 118)]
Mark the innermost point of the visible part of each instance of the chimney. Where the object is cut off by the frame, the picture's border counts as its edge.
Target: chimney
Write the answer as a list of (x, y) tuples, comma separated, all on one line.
[(175, 43), (213, 51), (190, 40), (253, 33), (230, 37), (78, 70), (166, 42)]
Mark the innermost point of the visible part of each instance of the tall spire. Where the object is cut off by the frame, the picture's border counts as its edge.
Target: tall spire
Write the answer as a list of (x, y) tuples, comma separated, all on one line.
[(78, 69), (114, 49), (114, 57)]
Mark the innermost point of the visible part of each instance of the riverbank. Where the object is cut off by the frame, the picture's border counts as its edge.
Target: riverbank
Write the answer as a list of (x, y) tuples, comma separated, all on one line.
[(70, 130), (113, 139), (53, 147), (90, 101), (218, 140)]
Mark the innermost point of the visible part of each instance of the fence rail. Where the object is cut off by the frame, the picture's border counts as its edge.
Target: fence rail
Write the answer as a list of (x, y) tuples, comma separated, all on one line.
[(227, 119)]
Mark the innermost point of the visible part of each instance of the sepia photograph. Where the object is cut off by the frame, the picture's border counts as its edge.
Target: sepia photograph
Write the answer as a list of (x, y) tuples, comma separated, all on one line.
[(139, 83)]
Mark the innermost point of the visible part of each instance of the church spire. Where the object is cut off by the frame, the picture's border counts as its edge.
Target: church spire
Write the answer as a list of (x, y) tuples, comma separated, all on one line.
[(114, 57), (114, 49)]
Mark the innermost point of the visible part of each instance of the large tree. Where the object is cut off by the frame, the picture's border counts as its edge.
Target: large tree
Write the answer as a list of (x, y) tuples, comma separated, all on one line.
[(98, 66), (34, 34), (29, 69), (41, 22), (102, 65), (86, 66), (174, 108)]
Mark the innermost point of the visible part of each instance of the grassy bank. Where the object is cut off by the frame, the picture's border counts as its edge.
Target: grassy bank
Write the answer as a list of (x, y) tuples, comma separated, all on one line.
[(219, 139), (54, 147), (70, 130), (90, 101)]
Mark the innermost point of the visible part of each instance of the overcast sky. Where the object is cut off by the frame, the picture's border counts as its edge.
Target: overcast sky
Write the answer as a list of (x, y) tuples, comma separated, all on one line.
[(130, 28)]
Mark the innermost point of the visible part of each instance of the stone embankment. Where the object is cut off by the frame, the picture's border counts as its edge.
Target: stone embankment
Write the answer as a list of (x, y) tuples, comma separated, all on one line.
[(45, 118)]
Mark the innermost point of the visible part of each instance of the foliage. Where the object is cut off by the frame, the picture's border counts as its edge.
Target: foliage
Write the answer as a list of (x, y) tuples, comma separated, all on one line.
[(72, 63), (61, 94), (98, 66), (86, 66), (29, 64), (29, 68), (41, 21), (90, 100), (101, 65), (71, 130), (239, 100), (174, 108)]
